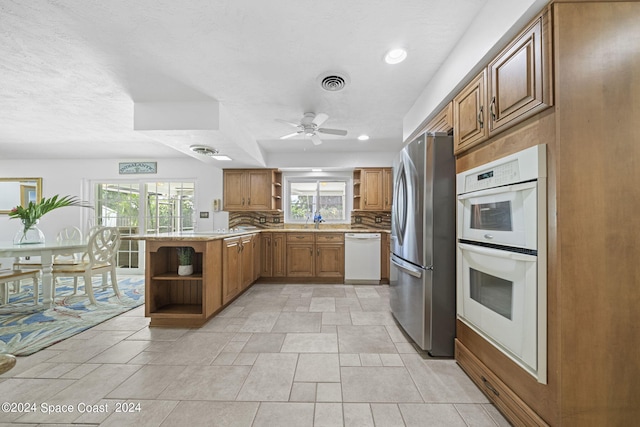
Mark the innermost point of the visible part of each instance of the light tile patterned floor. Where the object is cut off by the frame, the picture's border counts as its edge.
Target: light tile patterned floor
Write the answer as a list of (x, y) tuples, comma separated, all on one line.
[(280, 355)]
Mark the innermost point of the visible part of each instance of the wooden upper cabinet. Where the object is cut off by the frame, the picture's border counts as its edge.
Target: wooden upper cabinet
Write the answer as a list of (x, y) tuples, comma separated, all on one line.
[(443, 121), (373, 189), (470, 115), (387, 188), (233, 195), (251, 189), (519, 79), (516, 85)]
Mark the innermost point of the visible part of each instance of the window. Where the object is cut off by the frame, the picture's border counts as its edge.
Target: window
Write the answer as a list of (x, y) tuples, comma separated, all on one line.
[(138, 208), (308, 196)]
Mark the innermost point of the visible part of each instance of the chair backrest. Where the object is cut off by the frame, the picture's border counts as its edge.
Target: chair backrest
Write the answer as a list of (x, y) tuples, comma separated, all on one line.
[(103, 245), (69, 234)]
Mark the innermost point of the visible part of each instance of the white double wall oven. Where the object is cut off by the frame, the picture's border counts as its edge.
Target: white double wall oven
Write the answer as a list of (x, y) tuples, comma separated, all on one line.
[(501, 255)]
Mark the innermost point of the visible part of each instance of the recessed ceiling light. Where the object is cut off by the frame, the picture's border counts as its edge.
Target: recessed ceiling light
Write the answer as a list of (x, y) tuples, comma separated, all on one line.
[(395, 56), (316, 170), (221, 157), (363, 137)]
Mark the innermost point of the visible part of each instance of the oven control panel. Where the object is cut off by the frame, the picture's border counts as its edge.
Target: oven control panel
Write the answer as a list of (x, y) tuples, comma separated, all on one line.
[(503, 174), (526, 165)]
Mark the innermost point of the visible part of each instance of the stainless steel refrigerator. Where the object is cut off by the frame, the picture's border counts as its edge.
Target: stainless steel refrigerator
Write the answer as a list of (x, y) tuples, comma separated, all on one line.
[(423, 267)]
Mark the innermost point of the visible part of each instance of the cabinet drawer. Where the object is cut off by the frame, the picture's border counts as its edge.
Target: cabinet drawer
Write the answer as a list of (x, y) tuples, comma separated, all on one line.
[(329, 237), (511, 406), (300, 237)]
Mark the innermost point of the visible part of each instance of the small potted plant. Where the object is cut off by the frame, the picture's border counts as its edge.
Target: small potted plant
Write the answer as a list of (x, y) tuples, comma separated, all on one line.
[(185, 260)]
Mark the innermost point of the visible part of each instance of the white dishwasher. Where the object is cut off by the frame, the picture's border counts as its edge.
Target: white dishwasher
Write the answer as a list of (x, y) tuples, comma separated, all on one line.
[(362, 258)]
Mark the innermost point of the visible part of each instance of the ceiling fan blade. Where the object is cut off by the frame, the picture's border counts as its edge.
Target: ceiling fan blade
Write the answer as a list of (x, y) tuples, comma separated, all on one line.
[(316, 139), (295, 125), (319, 119), (333, 131), (291, 135)]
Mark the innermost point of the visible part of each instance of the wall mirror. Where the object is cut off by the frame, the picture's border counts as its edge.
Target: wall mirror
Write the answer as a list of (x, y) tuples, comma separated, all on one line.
[(19, 191)]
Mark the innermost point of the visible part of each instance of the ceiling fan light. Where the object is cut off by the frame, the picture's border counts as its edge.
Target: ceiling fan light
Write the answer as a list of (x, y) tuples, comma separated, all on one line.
[(395, 56)]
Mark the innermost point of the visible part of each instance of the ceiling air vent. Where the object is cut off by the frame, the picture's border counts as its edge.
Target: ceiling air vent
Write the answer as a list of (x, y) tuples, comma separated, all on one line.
[(333, 83), (203, 150)]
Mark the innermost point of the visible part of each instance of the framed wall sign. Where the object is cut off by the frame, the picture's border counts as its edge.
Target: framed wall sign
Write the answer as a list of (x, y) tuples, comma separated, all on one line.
[(127, 168)]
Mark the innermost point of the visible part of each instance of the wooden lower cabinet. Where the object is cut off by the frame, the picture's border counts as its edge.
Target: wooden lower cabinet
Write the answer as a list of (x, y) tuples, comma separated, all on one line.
[(516, 410), (315, 255), (231, 268), (329, 260), (189, 301), (300, 255), (237, 265), (385, 257)]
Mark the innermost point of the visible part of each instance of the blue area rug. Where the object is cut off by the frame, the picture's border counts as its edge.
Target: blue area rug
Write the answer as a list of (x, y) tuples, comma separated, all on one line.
[(34, 327)]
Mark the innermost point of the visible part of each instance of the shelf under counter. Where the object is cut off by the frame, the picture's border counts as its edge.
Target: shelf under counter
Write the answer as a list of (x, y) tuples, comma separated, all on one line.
[(176, 277)]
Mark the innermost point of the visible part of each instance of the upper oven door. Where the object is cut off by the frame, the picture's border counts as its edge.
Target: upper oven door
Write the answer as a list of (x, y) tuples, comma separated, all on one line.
[(502, 216)]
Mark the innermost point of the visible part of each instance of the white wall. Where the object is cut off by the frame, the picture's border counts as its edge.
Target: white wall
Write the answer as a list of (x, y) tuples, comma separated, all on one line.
[(73, 177), (496, 24)]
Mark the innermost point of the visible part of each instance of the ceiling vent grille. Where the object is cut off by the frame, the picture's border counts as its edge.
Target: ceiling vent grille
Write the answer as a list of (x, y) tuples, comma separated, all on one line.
[(204, 150), (333, 83)]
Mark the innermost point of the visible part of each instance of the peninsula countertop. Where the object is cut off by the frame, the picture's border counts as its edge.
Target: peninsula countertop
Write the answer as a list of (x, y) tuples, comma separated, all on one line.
[(216, 235)]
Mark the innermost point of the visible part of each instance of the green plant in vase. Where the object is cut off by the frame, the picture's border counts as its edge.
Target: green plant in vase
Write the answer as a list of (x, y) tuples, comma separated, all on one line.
[(185, 260), (31, 214)]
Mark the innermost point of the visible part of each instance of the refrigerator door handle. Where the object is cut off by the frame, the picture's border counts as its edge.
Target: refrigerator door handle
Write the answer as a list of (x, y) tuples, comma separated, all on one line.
[(411, 270)]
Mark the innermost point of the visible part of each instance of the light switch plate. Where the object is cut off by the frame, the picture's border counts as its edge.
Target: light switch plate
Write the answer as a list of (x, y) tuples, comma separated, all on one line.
[(204, 214)]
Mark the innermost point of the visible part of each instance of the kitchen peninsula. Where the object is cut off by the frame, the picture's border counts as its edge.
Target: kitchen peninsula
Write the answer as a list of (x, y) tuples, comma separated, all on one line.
[(225, 264)]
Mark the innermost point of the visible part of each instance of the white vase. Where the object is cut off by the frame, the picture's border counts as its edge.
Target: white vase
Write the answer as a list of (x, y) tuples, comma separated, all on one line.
[(185, 270)]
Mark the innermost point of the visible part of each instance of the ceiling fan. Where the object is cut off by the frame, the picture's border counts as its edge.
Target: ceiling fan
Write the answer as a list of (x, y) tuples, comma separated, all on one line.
[(310, 126)]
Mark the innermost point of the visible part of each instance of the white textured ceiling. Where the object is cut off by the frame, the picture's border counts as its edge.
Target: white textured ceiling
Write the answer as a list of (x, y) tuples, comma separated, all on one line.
[(72, 70)]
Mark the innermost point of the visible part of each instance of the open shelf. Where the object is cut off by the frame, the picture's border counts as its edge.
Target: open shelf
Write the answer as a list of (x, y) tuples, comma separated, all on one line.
[(186, 309), (174, 276)]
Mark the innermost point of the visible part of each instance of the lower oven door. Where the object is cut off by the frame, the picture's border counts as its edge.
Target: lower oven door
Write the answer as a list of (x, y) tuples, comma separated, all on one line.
[(497, 297)]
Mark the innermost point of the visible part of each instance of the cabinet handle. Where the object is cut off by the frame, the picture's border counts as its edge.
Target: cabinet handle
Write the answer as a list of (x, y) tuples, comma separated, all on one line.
[(492, 109), (311, 252), (299, 237), (249, 201), (318, 251), (480, 119), (243, 201), (489, 386)]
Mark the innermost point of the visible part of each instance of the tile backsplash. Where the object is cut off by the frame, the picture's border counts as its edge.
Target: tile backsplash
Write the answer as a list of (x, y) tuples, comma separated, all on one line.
[(270, 220)]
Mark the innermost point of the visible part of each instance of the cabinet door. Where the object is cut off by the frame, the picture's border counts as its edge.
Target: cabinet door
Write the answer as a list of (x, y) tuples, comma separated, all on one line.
[(266, 255), (372, 189), (259, 190), (300, 259), (233, 194), (385, 256), (246, 259), (257, 256), (443, 121), (279, 255), (469, 114), (329, 260), (231, 268), (387, 188), (518, 80)]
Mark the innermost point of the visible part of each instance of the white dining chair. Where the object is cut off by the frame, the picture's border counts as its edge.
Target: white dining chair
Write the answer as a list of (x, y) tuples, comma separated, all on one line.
[(100, 259), (15, 276)]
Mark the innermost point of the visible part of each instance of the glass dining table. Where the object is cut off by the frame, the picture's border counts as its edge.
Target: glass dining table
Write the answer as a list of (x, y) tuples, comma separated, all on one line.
[(46, 251)]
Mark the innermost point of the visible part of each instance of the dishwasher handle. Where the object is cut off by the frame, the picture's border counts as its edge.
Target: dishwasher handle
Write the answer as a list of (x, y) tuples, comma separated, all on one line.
[(407, 268)]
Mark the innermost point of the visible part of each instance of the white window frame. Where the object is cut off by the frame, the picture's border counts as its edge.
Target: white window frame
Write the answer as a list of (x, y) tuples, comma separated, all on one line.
[(341, 176)]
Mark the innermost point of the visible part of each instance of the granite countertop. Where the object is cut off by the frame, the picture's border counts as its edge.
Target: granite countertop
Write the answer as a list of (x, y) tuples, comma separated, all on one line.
[(215, 235)]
